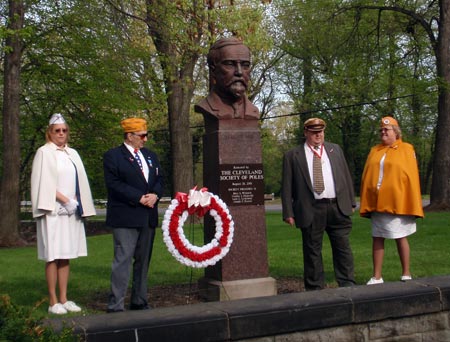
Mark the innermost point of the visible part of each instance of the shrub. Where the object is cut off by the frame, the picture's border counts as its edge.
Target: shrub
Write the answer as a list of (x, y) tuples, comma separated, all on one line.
[(17, 324)]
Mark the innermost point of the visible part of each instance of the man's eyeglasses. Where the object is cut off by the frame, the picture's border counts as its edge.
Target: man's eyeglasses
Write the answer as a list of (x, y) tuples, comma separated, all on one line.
[(59, 130), (142, 136)]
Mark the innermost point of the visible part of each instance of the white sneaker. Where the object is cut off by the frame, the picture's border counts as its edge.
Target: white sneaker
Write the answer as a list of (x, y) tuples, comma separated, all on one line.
[(71, 306), (57, 309), (405, 277), (374, 281)]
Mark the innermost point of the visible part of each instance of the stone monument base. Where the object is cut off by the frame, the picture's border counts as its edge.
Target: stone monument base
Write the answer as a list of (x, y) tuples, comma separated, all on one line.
[(215, 290)]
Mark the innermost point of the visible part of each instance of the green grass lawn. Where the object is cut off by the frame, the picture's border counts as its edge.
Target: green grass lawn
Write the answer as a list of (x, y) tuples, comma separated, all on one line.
[(430, 252), (22, 275)]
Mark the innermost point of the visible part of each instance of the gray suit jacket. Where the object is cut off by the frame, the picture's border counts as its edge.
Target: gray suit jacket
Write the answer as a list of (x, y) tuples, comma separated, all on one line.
[(297, 193)]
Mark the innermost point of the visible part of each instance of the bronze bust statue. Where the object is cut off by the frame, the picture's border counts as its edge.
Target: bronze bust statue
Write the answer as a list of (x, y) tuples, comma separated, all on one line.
[(229, 70)]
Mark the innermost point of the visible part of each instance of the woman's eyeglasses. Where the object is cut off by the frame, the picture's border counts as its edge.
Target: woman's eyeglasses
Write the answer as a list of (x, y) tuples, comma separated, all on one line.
[(384, 130), (142, 136), (60, 130)]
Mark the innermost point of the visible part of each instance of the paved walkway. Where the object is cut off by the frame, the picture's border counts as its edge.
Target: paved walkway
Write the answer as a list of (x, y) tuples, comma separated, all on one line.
[(269, 208), (273, 208)]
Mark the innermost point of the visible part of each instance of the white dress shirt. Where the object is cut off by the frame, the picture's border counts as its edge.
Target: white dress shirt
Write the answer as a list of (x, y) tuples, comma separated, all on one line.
[(141, 157), (327, 172)]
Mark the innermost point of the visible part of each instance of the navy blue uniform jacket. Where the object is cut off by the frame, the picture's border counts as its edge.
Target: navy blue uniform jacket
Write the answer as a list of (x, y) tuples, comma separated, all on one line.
[(126, 184)]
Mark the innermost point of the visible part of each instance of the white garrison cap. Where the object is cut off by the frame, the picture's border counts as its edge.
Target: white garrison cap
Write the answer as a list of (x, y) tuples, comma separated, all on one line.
[(56, 119)]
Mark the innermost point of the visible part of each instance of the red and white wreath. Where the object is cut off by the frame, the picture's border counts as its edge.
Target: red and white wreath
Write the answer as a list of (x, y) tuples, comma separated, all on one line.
[(198, 203)]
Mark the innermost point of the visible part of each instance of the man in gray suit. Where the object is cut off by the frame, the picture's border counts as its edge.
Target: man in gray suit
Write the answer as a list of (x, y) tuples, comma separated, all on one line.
[(317, 196)]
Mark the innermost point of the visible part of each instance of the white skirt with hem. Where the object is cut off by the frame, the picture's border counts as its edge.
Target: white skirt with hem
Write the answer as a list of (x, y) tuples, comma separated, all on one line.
[(391, 226), (60, 237)]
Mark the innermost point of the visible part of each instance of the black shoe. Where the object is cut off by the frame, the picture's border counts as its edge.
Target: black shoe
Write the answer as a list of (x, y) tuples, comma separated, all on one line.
[(139, 307), (112, 310), (347, 283)]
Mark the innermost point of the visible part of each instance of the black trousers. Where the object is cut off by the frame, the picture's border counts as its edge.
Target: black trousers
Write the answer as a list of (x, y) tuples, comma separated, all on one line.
[(327, 217)]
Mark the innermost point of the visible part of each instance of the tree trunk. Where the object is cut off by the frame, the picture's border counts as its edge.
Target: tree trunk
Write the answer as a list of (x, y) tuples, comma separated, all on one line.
[(9, 186), (179, 100), (440, 186), (178, 69)]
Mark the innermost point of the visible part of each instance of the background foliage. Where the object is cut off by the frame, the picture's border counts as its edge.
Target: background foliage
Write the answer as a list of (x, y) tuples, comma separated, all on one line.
[(95, 62)]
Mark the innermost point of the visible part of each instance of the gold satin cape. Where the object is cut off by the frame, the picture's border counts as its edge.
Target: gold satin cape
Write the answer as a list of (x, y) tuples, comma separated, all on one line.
[(399, 192)]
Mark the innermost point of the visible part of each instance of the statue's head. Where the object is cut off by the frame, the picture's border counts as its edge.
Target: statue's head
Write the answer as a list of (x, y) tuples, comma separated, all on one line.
[(229, 65)]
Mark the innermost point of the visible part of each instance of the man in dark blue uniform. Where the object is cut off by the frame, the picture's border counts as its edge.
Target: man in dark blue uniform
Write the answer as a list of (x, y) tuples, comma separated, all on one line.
[(134, 182)]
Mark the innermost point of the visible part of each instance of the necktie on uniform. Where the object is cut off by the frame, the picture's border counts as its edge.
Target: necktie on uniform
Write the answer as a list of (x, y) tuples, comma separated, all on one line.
[(78, 194), (136, 156), (318, 185), (77, 191)]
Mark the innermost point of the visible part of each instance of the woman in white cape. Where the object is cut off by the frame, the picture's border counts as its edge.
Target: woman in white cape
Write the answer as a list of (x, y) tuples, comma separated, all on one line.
[(61, 198)]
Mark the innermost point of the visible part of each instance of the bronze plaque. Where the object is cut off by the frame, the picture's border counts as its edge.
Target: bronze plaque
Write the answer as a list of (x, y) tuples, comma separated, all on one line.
[(241, 184)]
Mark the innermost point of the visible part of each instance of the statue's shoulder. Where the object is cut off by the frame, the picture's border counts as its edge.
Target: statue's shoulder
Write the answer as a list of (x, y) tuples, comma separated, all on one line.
[(204, 106), (251, 111), (213, 105)]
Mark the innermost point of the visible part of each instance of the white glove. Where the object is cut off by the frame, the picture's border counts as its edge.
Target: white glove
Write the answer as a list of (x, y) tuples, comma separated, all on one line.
[(62, 210), (71, 206)]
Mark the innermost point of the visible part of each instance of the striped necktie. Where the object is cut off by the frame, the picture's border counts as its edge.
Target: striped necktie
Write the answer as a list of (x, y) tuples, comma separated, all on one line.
[(136, 156)]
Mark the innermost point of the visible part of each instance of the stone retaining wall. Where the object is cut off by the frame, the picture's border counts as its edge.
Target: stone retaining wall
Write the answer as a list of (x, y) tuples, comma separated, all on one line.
[(417, 310)]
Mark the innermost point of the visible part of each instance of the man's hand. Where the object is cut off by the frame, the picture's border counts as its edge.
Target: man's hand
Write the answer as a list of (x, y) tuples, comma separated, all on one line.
[(149, 200), (290, 221)]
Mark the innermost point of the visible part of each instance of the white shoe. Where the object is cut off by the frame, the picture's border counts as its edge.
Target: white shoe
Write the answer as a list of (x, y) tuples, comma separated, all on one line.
[(405, 277), (71, 306), (374, 281), (57, 309)]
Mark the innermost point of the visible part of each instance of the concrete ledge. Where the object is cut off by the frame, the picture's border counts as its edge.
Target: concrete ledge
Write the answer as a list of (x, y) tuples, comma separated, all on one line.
[(269, 316)]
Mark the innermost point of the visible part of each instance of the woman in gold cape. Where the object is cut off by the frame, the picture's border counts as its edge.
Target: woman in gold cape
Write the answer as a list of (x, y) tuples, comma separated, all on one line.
[(390, 196)]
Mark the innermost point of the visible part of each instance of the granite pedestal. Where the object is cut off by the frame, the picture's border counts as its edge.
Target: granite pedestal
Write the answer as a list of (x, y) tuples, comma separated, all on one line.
[(233, 170)]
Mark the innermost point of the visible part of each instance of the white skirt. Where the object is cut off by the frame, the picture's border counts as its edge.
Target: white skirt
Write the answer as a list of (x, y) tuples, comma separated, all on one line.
[(391, 226), (60, 237)]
